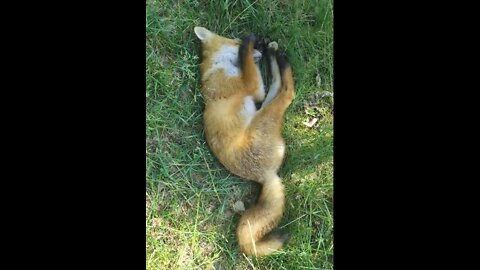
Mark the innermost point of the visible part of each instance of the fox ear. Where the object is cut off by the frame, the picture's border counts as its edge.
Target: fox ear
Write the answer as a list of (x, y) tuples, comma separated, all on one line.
[(202, 33)]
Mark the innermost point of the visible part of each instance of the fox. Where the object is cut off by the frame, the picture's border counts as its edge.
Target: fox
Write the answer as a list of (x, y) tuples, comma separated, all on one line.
[(248, 141)]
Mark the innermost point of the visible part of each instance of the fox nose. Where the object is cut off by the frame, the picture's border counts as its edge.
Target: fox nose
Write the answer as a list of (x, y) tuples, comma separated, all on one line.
[(257, 55)]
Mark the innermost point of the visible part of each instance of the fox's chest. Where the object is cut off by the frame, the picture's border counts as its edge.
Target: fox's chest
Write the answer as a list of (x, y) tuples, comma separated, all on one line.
[(227, 59)]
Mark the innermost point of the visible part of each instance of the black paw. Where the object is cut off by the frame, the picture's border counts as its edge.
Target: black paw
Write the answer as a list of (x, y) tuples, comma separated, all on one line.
[(261, 44), (282, 61), (248, 39)]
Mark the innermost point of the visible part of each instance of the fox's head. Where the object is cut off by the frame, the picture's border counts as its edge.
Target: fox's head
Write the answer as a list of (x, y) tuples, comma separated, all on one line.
[(220, 50)]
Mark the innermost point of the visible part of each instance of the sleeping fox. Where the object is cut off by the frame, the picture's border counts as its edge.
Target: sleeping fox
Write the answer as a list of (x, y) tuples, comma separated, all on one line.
[(247, 141)]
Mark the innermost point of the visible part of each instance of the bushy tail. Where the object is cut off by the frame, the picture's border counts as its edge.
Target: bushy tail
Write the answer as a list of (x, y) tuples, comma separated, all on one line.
[(260, 219)]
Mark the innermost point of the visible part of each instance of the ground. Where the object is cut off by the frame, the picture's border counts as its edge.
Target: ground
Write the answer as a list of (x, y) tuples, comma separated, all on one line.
[(190, 196)]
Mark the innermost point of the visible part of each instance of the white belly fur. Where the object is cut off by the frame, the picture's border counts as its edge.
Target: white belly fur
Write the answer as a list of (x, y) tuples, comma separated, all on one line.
[(226, 58), (248, 110)]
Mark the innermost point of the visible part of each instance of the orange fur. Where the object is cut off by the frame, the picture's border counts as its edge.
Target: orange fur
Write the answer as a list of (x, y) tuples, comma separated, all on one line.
[(247, 142)]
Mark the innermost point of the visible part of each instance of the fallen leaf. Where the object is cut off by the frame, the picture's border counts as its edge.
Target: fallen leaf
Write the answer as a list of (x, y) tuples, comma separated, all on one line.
[(311, 123)]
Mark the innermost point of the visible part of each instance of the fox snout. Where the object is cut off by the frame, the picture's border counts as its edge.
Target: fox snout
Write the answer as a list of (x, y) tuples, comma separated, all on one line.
[(257, 55)]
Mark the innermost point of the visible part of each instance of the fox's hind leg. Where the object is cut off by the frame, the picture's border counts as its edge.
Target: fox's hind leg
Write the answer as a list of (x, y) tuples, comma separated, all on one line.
[(266, 126), (265, 132), (271, 53)]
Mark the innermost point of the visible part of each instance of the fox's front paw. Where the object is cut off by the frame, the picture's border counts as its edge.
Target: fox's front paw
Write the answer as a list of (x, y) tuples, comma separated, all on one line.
[(249, 39), (246, 49), (262, 44), (273, 45)]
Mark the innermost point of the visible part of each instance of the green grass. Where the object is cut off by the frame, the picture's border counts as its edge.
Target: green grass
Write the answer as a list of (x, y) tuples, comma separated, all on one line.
[(190, 223)]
